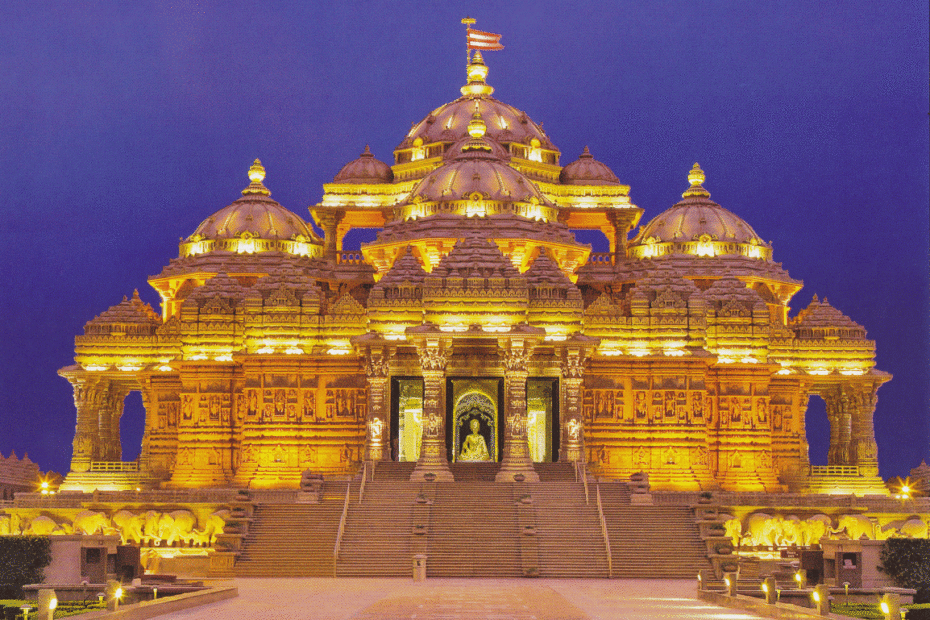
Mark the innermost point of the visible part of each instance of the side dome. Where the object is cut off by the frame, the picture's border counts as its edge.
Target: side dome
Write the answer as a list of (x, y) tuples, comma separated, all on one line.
[(365, 169), (253, 223), (587, 171), (700, 227)]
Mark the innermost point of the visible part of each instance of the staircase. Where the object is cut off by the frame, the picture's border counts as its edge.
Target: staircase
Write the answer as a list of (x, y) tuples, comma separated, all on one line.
[(473, 531), (568, 531), (294, 540), (377, 536), (651, 542), (473, 527)]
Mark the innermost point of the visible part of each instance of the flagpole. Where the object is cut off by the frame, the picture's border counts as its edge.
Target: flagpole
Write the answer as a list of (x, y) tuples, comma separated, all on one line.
[(467, 21)]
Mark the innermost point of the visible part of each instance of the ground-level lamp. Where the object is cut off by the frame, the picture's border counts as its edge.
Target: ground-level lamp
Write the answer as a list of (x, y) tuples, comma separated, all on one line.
[(846, 588), (26, 609)]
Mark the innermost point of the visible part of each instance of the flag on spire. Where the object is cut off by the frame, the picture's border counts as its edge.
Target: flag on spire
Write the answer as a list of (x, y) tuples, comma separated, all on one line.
[(480, 40)]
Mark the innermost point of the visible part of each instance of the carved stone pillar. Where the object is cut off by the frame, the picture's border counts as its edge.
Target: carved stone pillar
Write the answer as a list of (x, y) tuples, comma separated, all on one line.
[(329, 221), (89, 394), (572, 422), (516, 356), (804, 448), (863, 449), (622, 221), (839, 413), (378, 423), (433, 458)]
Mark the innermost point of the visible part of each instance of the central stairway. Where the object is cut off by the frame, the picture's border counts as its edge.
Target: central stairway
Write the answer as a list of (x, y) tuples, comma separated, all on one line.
[(473, 527)]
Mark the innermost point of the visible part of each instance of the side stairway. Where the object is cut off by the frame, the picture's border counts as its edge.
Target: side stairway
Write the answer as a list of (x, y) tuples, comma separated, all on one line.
[(651, 542), (378, 531), (294, 540), (568, 531)]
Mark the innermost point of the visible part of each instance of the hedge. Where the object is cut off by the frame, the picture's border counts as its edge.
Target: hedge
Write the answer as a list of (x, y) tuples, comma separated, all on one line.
[(22, 561)]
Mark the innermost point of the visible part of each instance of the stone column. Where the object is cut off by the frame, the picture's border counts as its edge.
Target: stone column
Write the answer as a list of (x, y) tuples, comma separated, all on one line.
[(433, 458), (516, 357), (329, 221), (572, 421), (804, 448), (378, 424), (863, 448), (89, 394), (108, 419), (151, 423), (622, 221), (838, 413)]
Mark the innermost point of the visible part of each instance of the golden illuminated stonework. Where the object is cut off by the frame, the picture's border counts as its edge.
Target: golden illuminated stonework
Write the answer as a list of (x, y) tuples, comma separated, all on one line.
[(475, 327)]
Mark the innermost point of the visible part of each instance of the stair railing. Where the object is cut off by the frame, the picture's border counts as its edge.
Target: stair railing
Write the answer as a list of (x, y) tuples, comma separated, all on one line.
[(361, 489), (342, 527), (600, 513), (582, 472)]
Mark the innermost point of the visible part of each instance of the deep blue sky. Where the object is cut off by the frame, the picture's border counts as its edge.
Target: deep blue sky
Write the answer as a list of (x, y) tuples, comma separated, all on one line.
[(125, 124)]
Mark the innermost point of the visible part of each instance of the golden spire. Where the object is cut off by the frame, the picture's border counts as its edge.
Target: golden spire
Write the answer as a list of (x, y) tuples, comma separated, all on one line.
[(477, 72), (476, 126), (256, 176), (696, 178)]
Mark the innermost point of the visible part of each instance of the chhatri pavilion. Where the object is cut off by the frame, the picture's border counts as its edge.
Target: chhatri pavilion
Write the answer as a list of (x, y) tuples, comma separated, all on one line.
[(475, 327)]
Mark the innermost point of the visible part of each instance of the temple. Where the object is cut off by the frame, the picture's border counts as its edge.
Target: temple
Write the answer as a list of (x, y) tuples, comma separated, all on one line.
[(475, 327)]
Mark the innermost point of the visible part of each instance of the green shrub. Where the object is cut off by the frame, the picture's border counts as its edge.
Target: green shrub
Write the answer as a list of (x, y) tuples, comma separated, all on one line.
[(907, 562), (22, 560)]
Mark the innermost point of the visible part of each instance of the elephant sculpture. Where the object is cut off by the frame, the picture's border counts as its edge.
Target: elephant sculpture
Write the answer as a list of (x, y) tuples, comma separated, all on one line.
[(913, 527), (789, 530), (130, 526), (814, 528), (214, 525), (88, 522), (856, 526), (150, 528), (761, 530), (733, 529), (41, 526), (177, 525)]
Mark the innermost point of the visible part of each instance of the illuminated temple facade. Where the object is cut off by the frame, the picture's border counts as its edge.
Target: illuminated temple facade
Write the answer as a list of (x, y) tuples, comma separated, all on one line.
[(475, 327)]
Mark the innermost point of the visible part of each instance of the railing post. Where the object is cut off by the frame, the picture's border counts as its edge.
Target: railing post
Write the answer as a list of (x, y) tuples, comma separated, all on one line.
[(584, 479), (600, 512), (361, 489), (342, 525)]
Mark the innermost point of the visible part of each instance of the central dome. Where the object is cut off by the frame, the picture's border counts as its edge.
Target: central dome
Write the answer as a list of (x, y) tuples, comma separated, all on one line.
[(476, 173), (449, 122)]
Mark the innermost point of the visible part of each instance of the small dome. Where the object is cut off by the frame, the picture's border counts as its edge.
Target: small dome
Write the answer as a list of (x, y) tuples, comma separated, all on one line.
[(254, 223), (365, 169), (588, 171), (254, 215), (697, 225)]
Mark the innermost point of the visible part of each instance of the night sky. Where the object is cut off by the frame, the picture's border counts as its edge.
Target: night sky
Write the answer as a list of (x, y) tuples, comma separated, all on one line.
[(123, 125)]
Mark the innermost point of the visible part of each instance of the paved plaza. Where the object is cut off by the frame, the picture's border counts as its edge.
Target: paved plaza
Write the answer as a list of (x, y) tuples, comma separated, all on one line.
[(453, 599)]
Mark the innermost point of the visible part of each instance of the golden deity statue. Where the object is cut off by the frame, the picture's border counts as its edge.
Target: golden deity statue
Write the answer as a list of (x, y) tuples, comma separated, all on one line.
[(474, 448)]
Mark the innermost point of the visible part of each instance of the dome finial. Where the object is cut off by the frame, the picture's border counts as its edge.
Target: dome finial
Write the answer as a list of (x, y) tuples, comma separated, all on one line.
[(476, 126), (477, 72), (696, 178), (256, 176)]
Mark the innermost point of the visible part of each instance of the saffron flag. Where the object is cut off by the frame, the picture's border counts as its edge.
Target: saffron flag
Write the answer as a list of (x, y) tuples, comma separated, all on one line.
[(480, 40)]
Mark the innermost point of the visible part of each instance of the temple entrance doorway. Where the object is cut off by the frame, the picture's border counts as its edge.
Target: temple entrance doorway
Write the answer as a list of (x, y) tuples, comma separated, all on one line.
[(542, 419), (474, 431), (406, 418)]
